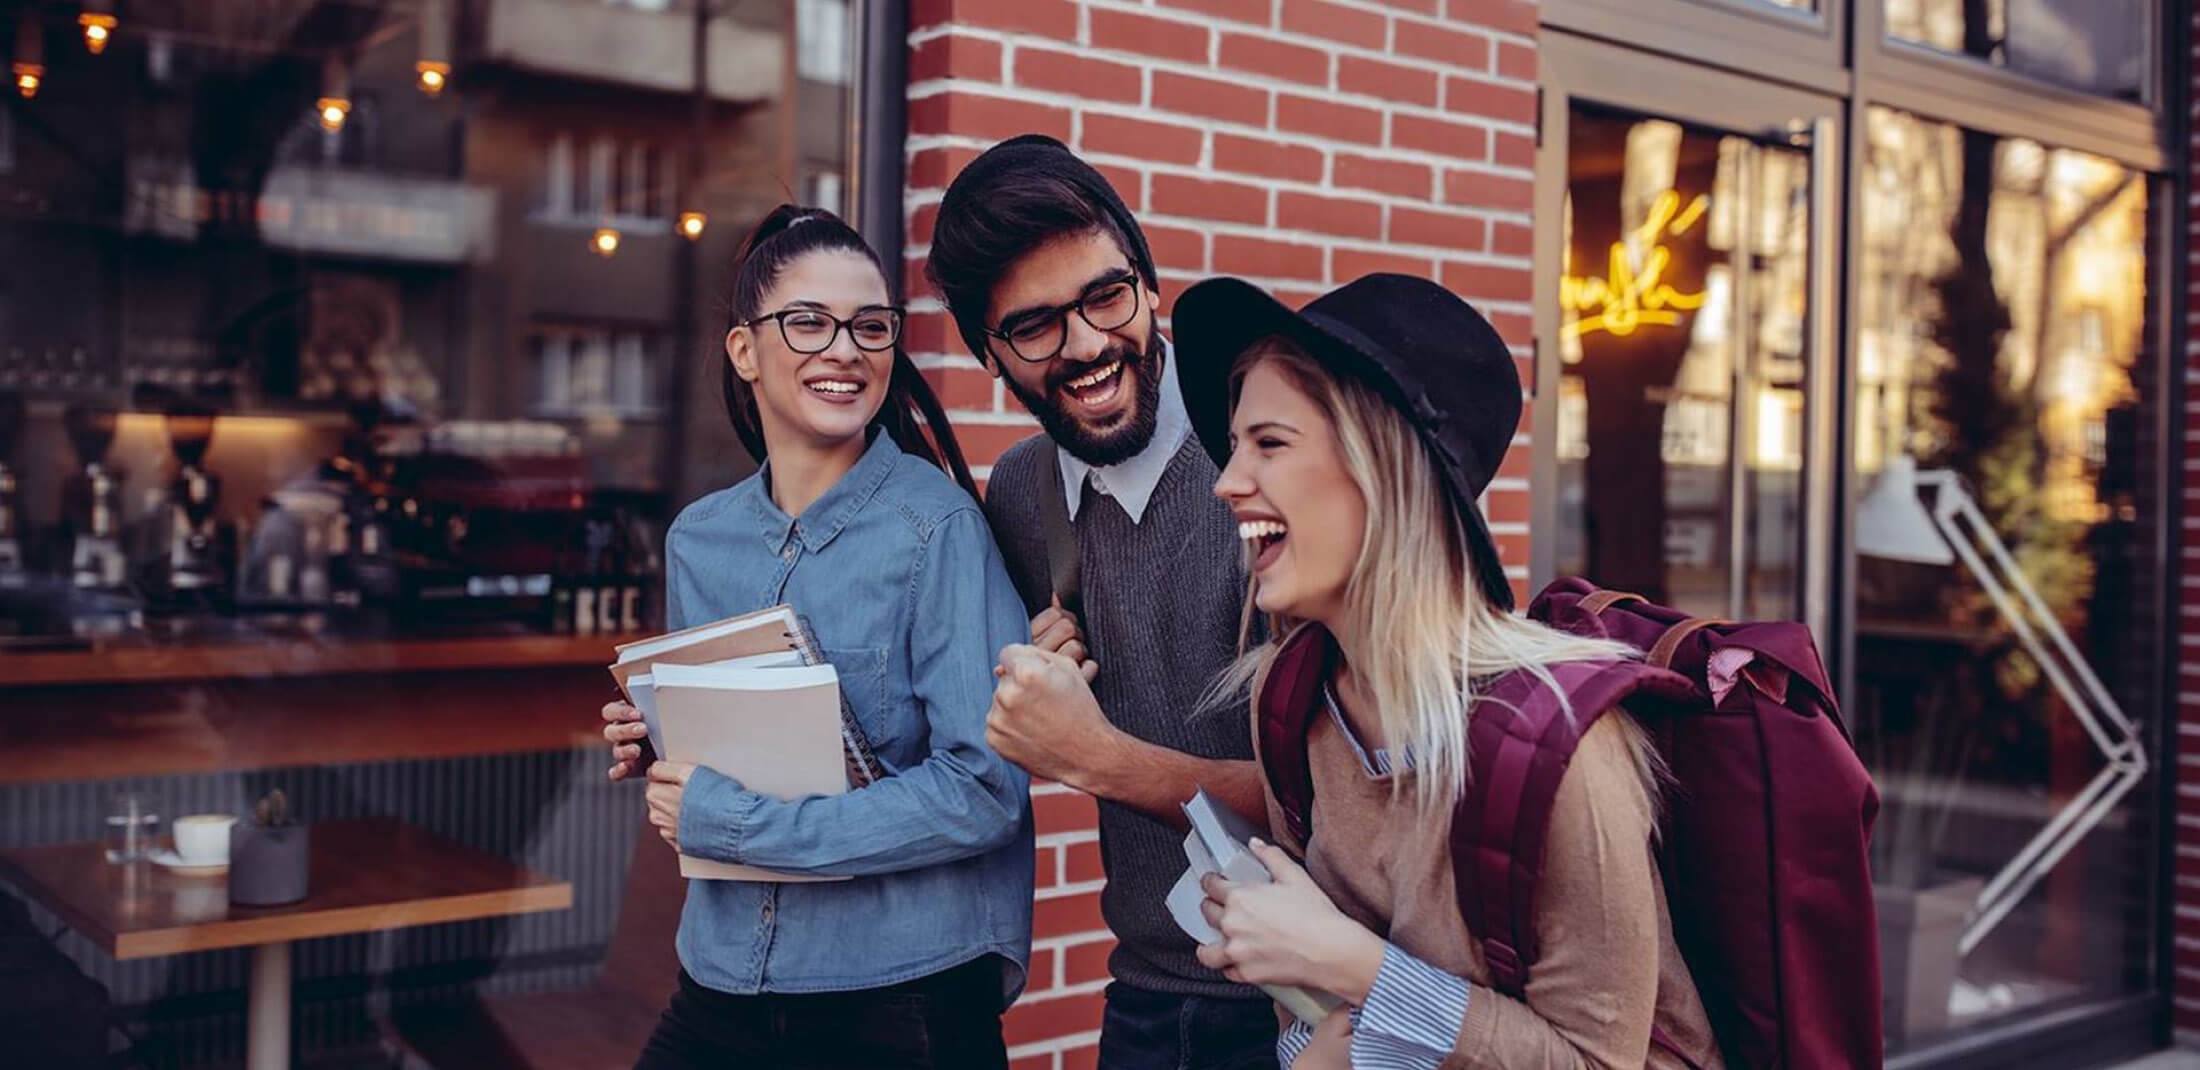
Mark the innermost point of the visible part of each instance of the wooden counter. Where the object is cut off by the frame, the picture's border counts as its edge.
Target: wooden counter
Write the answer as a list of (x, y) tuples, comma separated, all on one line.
[(106, 665)]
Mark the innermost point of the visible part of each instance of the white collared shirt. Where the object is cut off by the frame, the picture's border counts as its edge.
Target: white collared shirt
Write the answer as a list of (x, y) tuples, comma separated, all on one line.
[(1132, 482)]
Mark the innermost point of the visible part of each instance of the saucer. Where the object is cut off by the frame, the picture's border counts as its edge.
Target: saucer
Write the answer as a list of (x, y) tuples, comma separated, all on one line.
[(166, 856)]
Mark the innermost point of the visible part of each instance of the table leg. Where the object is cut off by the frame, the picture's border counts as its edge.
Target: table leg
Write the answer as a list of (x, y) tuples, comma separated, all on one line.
[(267, 1021)]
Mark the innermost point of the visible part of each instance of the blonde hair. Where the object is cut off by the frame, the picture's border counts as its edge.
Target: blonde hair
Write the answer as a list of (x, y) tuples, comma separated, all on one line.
[(1428, 638)]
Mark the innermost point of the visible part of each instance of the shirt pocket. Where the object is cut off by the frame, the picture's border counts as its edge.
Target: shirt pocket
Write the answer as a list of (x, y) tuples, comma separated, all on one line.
[(862, 673)]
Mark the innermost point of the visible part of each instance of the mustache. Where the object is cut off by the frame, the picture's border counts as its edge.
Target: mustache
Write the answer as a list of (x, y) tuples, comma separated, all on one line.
[(1065, 371)]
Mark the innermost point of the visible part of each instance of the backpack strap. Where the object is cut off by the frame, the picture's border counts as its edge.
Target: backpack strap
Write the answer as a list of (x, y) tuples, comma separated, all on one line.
[(1289, 697), (1521, 738), (1063, 570)]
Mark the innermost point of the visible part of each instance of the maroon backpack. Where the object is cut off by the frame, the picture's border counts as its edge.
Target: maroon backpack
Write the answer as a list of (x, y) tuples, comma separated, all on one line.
[(1765, 835)]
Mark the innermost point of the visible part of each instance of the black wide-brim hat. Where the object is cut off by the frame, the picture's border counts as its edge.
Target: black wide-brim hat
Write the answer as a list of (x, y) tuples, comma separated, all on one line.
[(1429, 353)]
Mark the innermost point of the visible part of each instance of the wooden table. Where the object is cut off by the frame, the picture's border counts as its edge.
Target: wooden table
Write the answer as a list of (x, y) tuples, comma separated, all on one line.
[(367, 875)]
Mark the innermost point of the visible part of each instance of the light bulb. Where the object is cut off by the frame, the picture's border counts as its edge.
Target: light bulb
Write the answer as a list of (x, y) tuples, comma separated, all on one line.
[(605, 242), (28, 77), (333, 110), (691, 224), (433, 76), (98, 29)]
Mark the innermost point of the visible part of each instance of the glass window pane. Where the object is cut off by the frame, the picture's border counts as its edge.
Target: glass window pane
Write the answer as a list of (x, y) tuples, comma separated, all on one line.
[(2004, 388), (339, 350), (1683, 300), (2099, 46)]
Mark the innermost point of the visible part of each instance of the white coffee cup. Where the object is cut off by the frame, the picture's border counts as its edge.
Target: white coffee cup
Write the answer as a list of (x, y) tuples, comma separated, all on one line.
[(203, 839)]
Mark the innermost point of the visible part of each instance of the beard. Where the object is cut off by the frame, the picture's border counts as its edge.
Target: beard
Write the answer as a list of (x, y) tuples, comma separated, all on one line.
[(1100, 449)]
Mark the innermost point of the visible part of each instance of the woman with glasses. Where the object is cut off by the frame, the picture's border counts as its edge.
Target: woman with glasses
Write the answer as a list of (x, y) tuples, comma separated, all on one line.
[(863, 518)]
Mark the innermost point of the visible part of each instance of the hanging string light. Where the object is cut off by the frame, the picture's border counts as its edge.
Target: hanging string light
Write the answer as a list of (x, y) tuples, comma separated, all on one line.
[(335, 102), (605, 242), (691, 225), (434, 65), (98, 21), (30, 55)]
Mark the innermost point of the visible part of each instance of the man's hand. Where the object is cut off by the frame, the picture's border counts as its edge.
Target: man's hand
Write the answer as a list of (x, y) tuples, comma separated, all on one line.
[(667, 785), (1044, 716), (1058, 631)]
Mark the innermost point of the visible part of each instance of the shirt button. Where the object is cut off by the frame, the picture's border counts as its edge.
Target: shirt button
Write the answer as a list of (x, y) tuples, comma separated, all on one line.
[(767, 912), (787, 554)]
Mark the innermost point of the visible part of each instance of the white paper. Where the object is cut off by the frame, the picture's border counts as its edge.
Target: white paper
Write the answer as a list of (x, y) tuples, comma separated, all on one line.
[(643, 690)]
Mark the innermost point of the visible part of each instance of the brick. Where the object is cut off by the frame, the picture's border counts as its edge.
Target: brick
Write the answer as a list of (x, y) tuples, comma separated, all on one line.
[(1082, 963), (1129, 183), (1159, 142), (921, 223), (1066, 915), (1149, 36), (1349, 264), (1193, 95), (1235, 255), (1512, 549), (1064, 811), (1489, 100), (1516, 60), (1088, 1057), (1276, 59), (1267, 159), (1453, 48), (1327, 118), (1256, 12), (984, 443), (988, 117), (961, 388), (935, 168), (1042, 1061), (956, 56), (1442, 137), (1031, 1021), (1335, 22), (1053, 71), (1329, 215), (1390, 81), (929, 332), (1046, 863), (1425, 7), (1181, 248), (1511, 239), (1081, 862), (1450, 230), (1517, 464), (1222, 202), (1489, 282), (1510, 16), (1395, 177), (1041, 973), (1513, 150), (1047, 18), (1488, 192)]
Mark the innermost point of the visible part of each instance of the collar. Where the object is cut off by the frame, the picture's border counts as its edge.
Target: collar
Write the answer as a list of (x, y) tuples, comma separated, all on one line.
[(1132, 482), (832, 511)]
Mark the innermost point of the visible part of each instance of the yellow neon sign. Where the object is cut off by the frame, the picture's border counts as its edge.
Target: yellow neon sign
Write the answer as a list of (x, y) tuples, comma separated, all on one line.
[(1627, 297)]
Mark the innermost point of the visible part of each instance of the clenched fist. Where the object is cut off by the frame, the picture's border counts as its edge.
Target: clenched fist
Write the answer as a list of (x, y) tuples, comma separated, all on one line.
[(1045, 717)]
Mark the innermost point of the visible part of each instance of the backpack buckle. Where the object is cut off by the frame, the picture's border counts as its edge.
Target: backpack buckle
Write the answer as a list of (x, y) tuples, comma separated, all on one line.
[(1504, 963)]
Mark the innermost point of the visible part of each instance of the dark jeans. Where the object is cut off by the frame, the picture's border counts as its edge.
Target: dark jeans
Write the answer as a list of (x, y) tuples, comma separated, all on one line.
[(1146, 1030), (949, 1020)]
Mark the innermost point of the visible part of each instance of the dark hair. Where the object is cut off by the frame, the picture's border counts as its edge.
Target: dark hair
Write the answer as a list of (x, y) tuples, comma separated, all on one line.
[(1013, 198), (911, 413)]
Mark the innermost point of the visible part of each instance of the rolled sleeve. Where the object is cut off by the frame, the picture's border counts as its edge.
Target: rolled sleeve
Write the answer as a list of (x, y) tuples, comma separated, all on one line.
[(1292, 1043), (962, 799), (1412, 1016), (713, 811)]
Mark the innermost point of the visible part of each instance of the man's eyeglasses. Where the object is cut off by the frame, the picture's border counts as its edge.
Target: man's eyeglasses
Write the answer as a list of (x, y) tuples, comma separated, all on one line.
[(1038, 335), (809, 330)]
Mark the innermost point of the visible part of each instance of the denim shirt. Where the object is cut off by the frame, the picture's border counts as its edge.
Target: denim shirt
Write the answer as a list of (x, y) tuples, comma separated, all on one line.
[(904, 589)]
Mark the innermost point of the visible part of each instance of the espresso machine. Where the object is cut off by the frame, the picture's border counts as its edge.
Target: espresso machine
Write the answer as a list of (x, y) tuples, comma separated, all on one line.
[(12, 417), (194, 553), (92, 502)]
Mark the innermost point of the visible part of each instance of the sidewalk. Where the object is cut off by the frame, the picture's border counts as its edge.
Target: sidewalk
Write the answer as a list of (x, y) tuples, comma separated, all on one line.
[(2164, 1060)]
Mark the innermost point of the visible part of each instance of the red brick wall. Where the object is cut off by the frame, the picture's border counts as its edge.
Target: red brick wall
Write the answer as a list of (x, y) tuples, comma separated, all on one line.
[(2185, 955), (1299, 143)]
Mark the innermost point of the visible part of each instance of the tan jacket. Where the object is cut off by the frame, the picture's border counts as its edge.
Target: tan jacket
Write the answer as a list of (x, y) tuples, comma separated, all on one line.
[(1608, 965)]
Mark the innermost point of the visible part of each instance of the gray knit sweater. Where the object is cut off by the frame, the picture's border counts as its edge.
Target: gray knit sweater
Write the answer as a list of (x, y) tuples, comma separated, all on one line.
[(1161, 605)]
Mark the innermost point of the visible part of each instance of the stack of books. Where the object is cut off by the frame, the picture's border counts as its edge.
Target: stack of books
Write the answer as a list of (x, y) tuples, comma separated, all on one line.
[(1220, 842), (752, 698)]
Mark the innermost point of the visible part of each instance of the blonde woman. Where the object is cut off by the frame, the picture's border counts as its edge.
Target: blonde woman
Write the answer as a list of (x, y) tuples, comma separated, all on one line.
[(1355, 438)]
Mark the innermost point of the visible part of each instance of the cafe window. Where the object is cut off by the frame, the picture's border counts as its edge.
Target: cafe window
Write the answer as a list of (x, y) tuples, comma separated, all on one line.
[(2098, 46), (1681, 342), (354, 358), (2006, 570)]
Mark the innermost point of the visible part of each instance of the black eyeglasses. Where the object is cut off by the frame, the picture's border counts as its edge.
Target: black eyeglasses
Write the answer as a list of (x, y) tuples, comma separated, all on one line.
[(1038, 335), (810, 330)]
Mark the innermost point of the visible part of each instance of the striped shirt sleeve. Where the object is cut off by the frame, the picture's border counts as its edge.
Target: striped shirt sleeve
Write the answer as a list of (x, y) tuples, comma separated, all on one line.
[(1292, 1043), (1412, 1016)]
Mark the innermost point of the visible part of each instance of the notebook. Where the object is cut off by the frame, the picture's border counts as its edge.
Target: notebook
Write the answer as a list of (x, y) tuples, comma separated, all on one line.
[(774, 730), (1220, 841)]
